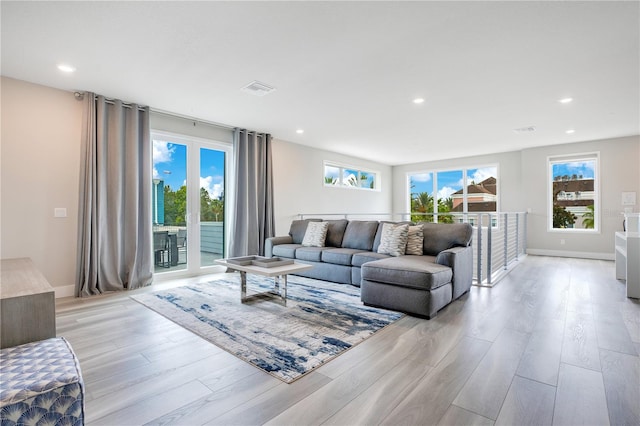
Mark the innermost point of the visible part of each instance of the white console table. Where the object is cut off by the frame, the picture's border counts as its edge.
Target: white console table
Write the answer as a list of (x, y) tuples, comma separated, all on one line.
[(628, 256)]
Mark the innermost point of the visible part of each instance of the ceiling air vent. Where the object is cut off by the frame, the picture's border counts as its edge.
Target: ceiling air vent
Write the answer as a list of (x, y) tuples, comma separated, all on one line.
[(258, 89), (527, 129)]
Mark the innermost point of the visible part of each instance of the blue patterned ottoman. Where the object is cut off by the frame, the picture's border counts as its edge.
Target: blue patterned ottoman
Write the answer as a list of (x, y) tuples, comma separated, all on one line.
[(41, 383)]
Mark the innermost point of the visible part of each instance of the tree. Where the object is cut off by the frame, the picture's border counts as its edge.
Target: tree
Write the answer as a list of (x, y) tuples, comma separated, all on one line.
[(175, 205), (445, 206), (211, 209), (421, 202), (588, 219), (563, 218)]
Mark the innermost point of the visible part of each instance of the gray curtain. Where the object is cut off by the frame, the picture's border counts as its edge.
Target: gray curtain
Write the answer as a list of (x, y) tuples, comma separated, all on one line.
[(114, 235), (254, 221)]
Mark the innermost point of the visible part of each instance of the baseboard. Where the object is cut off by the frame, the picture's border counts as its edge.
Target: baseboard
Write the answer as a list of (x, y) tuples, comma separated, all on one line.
[(575, 254), (65, 291)]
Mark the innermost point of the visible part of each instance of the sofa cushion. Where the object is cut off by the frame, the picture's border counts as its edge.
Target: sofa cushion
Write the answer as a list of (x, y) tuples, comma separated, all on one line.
[(335, 233), (442, 236), (408, 271), (339, 256), (360, 259), (415, 240), (298, 229), (286, 250), (316, 234), (376, 241), (360, 235), (311, 254), (394, 239)]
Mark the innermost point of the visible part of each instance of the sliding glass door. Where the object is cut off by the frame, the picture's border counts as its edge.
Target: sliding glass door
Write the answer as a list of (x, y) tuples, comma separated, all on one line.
[(188, 204)]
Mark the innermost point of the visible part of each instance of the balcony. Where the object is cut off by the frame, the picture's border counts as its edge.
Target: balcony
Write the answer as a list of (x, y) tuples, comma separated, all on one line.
[(174, 257)]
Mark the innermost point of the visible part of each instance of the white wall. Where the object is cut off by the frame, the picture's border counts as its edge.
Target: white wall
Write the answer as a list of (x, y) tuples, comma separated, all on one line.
[(619, 171), (41, 130), (299, 185)]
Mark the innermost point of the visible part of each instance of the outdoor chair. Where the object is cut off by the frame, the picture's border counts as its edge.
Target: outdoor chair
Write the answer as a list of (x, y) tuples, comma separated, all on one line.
[(161, 248), (181, 241)]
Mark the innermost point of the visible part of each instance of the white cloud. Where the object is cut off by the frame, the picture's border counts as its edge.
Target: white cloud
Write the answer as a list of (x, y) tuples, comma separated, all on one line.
[(585, 168), (481, 174), (421, 177), (446, 192), (213, 184), (162, 152)]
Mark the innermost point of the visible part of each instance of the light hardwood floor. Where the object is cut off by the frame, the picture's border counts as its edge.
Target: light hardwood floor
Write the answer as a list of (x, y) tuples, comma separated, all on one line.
[(554, 342)]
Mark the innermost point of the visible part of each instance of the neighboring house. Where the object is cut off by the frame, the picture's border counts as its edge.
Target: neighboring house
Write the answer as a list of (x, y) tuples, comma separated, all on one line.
[(575, 195), (481, 197)]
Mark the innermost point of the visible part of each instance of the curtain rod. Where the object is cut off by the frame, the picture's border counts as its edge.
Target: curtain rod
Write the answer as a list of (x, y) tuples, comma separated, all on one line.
[(195, 120), (80, 95), (206, 122)]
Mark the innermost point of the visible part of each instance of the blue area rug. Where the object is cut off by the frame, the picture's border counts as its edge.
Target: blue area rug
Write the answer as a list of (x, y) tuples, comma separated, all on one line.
[(321, 320)]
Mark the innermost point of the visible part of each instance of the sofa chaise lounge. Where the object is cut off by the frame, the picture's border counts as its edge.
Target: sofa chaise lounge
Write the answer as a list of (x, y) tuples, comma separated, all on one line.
[(417, 284)]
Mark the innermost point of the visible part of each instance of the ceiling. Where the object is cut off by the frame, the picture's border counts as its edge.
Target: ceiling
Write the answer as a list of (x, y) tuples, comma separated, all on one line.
[(347, 72)]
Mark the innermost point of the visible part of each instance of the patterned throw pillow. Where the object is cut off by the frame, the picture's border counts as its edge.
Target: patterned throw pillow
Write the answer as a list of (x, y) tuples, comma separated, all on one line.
[(394, 239), (415, 240), (315, 234)]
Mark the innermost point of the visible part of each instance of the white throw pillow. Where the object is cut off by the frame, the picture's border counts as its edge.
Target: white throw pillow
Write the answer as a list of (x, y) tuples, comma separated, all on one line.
[(393, 240), (316, 234), (415, 240)]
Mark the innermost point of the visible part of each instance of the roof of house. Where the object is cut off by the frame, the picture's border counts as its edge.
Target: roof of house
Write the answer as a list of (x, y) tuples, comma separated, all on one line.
[(487, 186), (572, 185)]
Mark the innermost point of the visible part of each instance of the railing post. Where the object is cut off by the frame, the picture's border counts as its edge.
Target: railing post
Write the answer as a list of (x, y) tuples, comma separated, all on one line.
[(506, 240), (479, 246), (517, 236), (524, 237), (489, 249)]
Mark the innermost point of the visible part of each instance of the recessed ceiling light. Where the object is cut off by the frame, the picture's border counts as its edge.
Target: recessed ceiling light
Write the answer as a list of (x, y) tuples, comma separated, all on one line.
[(299, 131), (565, 100), (66, 68), (570, 131), (418, 100)]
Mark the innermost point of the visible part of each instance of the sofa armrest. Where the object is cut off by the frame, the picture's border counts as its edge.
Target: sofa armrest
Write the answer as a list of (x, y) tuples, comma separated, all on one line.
[(460, 260), (274, 241)]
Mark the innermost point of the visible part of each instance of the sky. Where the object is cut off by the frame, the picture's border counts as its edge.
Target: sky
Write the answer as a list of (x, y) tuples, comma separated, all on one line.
[(448, 181), (586, 169), (170, 165)]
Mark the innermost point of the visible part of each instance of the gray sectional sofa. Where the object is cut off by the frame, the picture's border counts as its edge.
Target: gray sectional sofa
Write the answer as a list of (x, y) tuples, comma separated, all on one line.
[(420, 285)]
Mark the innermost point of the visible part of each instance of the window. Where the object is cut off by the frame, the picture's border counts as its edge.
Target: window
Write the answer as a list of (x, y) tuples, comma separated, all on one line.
[(446, 195), (350, 177), (573, 193)]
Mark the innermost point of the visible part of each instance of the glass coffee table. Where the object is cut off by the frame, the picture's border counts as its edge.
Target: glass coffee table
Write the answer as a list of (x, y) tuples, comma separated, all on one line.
[(266, 267)]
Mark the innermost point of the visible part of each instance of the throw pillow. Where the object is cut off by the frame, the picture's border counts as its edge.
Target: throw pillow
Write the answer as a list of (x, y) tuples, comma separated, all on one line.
[(415, 239), (316, 234), (394, 239)]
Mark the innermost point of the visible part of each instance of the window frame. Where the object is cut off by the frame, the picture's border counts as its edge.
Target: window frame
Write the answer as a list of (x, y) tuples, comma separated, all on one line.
[(571, 158), (466, 182), (360, 170)]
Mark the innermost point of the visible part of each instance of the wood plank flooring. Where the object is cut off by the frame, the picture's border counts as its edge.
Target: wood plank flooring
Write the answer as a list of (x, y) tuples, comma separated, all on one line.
[(555, 342)]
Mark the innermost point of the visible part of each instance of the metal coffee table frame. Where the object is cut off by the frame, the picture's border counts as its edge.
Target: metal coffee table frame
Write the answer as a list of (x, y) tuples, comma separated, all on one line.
[(278, 273)]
